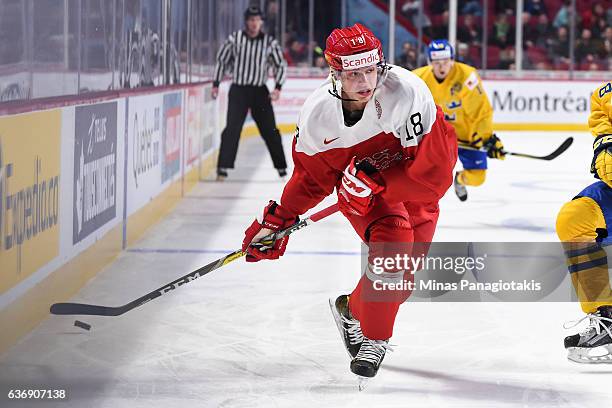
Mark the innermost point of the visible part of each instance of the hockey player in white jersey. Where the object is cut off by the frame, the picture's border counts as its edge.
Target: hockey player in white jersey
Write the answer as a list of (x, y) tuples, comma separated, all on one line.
[(373, 133)]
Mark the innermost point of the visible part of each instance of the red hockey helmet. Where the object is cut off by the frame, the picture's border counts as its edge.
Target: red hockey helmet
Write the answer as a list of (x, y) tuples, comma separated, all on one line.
[(353, 47)]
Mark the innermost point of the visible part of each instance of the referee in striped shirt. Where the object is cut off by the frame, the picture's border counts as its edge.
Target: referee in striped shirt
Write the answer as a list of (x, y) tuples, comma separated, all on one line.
[(249, 53)]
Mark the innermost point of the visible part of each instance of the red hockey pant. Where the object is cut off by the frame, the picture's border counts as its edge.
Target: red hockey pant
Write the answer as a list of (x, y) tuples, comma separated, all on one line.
[(382, 229)]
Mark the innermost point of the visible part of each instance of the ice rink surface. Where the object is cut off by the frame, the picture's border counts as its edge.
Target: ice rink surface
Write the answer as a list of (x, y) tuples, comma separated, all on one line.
[(261, 335)]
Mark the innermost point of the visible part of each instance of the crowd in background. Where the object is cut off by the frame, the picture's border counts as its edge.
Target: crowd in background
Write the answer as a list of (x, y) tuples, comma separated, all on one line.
[(295, 46), (546, 33), (103, 45)]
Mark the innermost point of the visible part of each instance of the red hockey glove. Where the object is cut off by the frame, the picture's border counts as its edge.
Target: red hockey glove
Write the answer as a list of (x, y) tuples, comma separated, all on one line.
[(275, 218), (358, 188)]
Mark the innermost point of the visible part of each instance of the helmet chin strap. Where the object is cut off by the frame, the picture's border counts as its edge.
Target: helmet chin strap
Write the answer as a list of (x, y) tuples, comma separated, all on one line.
[(334, 91)]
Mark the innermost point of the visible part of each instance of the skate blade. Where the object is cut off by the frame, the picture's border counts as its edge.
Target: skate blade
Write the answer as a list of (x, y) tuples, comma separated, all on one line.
[(338, 320), (362, 382), (584, 356)]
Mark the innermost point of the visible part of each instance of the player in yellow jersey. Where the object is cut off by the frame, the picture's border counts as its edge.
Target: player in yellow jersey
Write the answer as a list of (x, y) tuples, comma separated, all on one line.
[(457, 89), (583, 225)]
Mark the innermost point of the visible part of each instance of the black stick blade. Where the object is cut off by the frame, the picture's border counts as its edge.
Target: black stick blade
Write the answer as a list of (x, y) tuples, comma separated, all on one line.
[(562, 148), (82, 309)]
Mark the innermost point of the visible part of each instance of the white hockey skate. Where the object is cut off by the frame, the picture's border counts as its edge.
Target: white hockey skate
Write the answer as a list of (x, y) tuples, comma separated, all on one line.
[(594, 344)]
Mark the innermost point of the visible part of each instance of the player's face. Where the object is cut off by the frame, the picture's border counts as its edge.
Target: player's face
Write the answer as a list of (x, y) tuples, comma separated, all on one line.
[(359, 83), (253, 24), (441, 68)]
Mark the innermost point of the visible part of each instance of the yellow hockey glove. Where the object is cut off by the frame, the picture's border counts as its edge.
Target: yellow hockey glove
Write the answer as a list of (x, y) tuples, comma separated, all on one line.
[(601, 165), (495, 148)]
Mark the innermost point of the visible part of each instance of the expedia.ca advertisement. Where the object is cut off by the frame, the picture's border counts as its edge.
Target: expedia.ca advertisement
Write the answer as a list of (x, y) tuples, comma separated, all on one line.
[(95, 168), (29, 194)]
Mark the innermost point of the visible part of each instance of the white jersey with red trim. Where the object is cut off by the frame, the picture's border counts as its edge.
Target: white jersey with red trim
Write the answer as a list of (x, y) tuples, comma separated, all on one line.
[(402, 105), (402, 133)]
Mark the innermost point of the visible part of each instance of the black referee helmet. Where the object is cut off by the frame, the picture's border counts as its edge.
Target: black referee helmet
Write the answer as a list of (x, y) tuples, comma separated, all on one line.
[(253, 11)]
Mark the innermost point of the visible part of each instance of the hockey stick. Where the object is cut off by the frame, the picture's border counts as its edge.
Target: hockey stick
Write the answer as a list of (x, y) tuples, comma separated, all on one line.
[(562, 148), (85, 309)]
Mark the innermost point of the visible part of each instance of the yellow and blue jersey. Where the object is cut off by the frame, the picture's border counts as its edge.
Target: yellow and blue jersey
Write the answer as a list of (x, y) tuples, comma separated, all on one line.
[(600, 119), (463, 99), (588, 219)]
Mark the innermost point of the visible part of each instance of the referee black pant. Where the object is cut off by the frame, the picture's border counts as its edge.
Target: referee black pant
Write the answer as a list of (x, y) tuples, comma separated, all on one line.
[(240, 99)]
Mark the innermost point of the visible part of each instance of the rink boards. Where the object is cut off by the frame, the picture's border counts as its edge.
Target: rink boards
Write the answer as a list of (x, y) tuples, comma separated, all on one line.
[(79, 183), (526, 104), (103, 172)]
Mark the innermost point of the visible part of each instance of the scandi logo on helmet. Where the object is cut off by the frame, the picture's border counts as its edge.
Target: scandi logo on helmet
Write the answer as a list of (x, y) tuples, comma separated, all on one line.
[(348, 50), (360, 60)]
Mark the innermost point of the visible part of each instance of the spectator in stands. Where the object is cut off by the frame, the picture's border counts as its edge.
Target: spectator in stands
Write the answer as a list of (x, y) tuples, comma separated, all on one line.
[(563, 15), (438, 7), (593, 66), (542, 66), (606, 44), (408, 58), (559, 47), (604, 48), (319, 62), (463, 54), (596, 19), (441, 30), (539, 35), (599, 27), (296, 52), (469, 32), (535, 7), (410, 9), (507, 57), (470, 7), (272, 18), (505, 7), (502, 35), (590, 16), (586, 48)]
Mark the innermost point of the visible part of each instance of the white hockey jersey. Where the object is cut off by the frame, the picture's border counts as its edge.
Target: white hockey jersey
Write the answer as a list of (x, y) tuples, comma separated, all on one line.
[(402, 133), (402, 106)]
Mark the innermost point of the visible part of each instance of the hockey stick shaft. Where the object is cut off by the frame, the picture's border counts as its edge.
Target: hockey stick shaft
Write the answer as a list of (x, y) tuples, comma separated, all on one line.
[(558, 151), (96, 310)]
